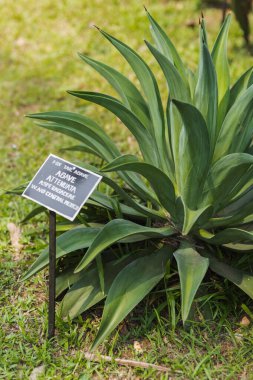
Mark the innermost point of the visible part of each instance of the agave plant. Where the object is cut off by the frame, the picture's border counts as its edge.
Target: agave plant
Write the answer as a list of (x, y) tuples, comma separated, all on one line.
[(186, 198)]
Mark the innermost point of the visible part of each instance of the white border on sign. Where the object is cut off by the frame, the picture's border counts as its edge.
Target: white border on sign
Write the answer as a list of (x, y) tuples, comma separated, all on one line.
[(70, 163)]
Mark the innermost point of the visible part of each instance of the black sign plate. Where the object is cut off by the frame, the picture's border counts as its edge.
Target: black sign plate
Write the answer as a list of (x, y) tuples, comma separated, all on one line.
[(62, 186)]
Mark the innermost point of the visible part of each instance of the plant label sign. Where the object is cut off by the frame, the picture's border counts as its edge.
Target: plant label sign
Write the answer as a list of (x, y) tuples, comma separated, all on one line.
[(62, 186)]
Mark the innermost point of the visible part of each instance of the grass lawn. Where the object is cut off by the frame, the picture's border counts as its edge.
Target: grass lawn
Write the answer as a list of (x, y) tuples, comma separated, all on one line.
[(38, 63)]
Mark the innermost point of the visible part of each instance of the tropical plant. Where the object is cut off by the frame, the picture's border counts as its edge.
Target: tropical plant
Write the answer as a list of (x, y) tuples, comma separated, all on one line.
[(187, 198)]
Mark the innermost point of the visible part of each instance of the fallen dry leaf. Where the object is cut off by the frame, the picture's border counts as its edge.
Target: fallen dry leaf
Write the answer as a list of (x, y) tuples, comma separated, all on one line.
[(137, 347), (15, 233), (245, 321)]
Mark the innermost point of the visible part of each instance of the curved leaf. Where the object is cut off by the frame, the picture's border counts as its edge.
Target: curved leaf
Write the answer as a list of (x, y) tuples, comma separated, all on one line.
[(152, 213), (81, 128), (107, 201), (220, 60), (240, 85), (77, 238), (241, 279), (177, 87), (83, 148), (130, 95), (236, 130), (207, 84), (117, 230), (191, 217), (94, 140), (130, 286), (166, 47), (192, 268), (161, 183), (86, 292), (150, 89), (65, 279), (36, 211), (127, 117), (194, 154), (223, 177), (229, 235)]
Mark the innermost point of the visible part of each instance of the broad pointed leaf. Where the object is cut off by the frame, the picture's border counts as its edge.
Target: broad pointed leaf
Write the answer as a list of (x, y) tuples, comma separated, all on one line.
[(150, 89), (86, 292), (192, 268), (130, 95), (223, 177), (166, 47), (127, 117), (219, 55), (194, 154), (77, 238), (236, 130), (243, 280), (177, 87), (117, 230), (229, 235), (131, 285), (81, 128), (161, 184), (240, 85), (206, 93)]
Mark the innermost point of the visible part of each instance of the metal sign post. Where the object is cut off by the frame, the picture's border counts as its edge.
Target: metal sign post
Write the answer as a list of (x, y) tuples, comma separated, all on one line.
[(63, 188), (52, 267)]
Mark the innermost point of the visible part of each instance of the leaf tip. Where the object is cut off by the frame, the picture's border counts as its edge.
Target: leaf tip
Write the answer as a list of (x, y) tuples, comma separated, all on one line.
[(96, 27)]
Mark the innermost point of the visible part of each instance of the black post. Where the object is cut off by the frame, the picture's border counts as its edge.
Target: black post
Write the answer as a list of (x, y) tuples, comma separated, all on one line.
[(52, 265)]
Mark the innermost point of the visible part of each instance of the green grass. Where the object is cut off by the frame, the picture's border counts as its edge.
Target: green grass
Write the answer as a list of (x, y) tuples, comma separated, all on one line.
[(38, 64)]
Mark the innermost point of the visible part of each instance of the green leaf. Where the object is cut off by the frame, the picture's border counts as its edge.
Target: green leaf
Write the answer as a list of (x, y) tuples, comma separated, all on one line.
[(104, 200), (134, 125), (77, 238), (67, 278), (91, 135), (229, 235), (150, 89), (100, 269), (220, 60), (131, 285), (240, 85), (207, 84), (130, 95), (83, 148), (236, 130), (223, 177), (243, 280), (86, 292), (129, 200), (192, 268), (238, 212), (203, 33), (166, 47), (239, 247), (175, 127), (117, 230), (151, 213), (81, 128), (36, 211), (177, 87), (161, 183), (194, 154), (191, 217)]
